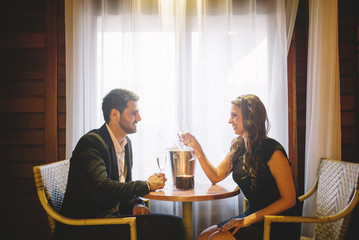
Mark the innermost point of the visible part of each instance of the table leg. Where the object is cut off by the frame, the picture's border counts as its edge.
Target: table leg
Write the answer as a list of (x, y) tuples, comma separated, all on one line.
[(187, 220)]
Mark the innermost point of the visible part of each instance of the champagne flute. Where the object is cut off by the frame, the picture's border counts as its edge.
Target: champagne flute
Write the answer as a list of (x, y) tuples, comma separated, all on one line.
[(161, 162), (186, 141)]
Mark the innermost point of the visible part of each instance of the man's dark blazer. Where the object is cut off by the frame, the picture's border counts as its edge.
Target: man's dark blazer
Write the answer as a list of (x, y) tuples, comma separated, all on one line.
[(93, 190)]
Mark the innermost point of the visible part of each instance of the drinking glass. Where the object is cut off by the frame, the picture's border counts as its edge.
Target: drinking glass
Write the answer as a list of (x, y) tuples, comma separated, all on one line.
[(186, 141), (161, 162)]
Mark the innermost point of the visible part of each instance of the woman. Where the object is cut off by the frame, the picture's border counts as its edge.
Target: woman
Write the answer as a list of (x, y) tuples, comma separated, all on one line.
[(262, 171)]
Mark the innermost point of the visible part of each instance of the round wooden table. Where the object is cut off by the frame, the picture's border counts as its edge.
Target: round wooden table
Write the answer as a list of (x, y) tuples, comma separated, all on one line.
[(202, 191)]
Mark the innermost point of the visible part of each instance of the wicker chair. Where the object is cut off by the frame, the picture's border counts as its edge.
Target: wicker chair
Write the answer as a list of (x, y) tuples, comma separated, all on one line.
[(337, 187), (51, 181)]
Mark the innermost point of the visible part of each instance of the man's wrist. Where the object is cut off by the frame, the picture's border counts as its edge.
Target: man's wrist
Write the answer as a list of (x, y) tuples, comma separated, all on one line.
[(149, 186)]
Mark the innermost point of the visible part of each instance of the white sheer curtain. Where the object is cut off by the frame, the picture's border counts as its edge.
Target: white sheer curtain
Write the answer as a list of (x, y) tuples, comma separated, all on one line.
[(186, 60), (323, 126)]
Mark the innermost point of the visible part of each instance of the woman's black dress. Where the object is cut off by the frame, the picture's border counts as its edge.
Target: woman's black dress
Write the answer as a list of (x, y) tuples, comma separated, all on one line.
[(263, 195)]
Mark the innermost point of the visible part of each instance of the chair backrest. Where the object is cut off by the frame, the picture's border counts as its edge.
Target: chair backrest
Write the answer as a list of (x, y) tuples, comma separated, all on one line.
[(52, 179), (51, 182), (336, 184)]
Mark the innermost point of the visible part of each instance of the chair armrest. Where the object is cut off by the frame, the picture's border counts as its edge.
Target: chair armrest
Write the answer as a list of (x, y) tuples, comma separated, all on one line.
[(293, 219), (95, 221), (296, 219), (245, 204), (131, 221), (310, 192)]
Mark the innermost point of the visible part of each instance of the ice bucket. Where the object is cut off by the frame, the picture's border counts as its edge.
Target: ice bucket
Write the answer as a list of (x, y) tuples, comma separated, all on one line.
[(181, 164)]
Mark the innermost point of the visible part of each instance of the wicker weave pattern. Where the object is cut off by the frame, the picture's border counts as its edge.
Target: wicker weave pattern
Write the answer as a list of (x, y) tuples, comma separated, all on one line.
[(337, 180), (54, 177), (51, 182)]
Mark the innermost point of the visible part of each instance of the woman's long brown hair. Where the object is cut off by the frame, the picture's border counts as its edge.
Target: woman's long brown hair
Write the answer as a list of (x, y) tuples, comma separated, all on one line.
[(256, 126)]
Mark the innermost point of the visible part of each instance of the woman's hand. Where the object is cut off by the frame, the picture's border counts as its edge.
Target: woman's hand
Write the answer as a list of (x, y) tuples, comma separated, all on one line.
[(236, 223), (214, 174), (189, 140)]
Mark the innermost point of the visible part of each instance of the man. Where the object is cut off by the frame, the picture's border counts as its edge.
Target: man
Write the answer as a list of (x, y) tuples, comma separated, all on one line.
[(100, 180)]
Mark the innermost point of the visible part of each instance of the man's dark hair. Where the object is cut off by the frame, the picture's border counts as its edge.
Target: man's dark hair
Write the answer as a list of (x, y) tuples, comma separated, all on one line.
[(117, 99)]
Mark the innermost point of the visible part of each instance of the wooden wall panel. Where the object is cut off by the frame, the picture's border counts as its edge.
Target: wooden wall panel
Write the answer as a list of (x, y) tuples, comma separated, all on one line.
[(24, 24), (23, 120), (23, 40), (61, 84), (22, 153), (22, 104), (22, 88), (21, 137), (292, 111), (348, 85), (301, 34), (23, 8), (22, 71), (31, 49), (22, 55), (348, 64)]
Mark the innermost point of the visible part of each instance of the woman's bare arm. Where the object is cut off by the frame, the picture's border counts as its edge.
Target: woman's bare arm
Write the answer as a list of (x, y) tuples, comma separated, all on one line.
[(280, 169), (214, 174)]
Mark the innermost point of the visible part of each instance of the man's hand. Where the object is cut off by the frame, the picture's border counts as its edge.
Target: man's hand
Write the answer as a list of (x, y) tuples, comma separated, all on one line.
[(157, 181), (140, 209)]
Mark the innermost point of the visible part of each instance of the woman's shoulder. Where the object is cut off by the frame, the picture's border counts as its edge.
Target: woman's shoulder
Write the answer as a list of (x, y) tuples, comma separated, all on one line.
[(271, 142), (269, 146)]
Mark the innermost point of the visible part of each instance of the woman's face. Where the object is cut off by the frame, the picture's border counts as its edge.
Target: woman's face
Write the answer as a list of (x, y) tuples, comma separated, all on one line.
[(236, 120)]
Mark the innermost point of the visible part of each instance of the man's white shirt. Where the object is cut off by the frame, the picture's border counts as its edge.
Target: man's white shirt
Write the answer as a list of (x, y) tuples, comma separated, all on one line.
[(120, 154)]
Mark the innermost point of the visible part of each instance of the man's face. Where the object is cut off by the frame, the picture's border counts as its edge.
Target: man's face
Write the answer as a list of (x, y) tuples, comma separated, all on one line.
[(130, 117)]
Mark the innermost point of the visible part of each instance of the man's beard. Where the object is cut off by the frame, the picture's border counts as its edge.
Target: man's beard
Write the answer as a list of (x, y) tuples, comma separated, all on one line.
[(126, 126)]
